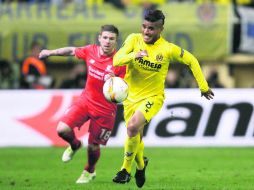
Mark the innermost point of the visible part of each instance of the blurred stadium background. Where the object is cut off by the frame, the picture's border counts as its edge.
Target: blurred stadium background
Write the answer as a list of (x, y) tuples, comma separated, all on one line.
[(220, 33)]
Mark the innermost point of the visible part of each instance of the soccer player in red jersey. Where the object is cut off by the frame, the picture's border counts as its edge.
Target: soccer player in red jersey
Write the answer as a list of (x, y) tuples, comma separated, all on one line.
[(91, 105)]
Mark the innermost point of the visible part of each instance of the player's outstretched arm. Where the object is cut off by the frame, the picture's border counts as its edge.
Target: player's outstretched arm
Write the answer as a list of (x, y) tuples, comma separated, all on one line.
[(125, 54), (187, 58), (208, 94), (66, 51)]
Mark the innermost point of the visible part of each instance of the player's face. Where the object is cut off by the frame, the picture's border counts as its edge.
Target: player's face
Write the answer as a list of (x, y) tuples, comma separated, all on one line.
[(151, 31), (107, 42)]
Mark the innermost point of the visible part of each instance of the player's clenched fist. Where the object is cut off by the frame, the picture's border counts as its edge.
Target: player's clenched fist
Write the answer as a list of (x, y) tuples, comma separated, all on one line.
[(141, 54), (44, 54)]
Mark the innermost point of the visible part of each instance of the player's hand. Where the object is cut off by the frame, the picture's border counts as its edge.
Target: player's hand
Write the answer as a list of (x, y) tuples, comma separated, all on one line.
[(44, 54), (108, 76), (208, 95), (141, 54)]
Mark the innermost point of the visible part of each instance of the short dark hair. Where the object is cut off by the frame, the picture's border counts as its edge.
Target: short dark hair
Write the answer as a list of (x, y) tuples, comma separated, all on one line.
[(110, 28), (154, 15)]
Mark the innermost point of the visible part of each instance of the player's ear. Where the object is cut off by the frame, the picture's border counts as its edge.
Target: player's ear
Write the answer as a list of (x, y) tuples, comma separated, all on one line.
[(99, 37)]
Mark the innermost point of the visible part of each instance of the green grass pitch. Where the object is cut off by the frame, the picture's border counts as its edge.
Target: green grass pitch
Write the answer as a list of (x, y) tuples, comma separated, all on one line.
[(168, 169)]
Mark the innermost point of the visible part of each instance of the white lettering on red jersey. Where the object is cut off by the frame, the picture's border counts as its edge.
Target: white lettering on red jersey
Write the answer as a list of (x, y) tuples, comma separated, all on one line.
[(97, 67)]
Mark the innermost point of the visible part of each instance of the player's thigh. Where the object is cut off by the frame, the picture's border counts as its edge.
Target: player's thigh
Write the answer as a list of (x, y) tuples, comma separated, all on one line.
[(75, 116), (149, 107), (100, 129), (129, 110)]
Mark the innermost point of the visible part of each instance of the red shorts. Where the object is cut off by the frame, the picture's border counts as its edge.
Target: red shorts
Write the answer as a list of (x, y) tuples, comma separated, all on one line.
[(100, 126)]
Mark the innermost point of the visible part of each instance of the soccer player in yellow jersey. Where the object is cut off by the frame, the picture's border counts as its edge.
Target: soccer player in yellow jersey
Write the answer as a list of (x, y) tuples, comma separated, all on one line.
[(147, 56)]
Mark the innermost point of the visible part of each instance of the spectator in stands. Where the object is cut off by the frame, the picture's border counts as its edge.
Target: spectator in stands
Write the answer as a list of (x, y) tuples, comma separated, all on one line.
[(186, 79), (34, 72), (76, 79), (119, 4), (213, 79), (172, 79), (8, 77), (146, 4)]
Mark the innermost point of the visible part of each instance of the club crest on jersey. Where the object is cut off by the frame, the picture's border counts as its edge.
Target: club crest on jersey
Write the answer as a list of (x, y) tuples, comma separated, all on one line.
[(159, 57)]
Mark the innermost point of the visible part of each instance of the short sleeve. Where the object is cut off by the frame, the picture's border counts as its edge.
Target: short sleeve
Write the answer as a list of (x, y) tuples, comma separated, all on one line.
[(80, 52)]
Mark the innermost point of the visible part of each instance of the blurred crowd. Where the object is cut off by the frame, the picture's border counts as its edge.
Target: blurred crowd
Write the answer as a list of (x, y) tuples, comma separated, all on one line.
[(32, 73), (183, 78), (122, 4)]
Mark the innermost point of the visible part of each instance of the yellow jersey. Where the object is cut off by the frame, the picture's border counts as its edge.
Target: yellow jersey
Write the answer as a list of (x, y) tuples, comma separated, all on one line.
[(146, 76)]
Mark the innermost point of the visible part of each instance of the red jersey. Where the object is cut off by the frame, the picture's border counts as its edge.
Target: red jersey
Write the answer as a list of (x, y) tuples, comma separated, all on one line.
[(97, 67)]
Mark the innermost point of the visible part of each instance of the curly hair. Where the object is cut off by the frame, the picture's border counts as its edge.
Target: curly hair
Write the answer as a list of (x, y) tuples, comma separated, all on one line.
[(154, 15)]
